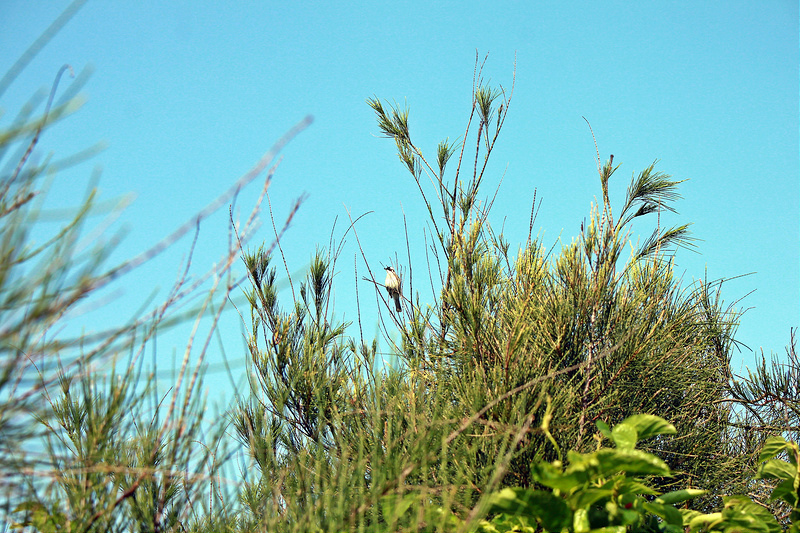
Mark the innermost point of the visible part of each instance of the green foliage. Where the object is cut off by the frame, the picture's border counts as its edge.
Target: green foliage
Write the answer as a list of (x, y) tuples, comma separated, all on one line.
[(604, 491), (111, 470), (518, 356), (44, 274), (514, 360), (769, 396), (335, 440), (766, 404), (626, 332), (40, 283), (787, 473), (83, 445)]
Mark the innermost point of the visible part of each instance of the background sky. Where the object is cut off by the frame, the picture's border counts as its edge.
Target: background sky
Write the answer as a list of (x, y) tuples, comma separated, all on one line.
[(188, 95)]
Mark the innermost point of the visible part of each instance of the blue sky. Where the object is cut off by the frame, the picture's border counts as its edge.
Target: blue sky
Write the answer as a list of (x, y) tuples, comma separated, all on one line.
[(189, 95)]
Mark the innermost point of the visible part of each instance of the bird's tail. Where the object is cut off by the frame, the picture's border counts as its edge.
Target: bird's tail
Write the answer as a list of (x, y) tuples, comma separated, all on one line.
[(397, 302)]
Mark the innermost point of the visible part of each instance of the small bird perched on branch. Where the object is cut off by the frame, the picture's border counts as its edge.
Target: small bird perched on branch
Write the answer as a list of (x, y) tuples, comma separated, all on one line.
[(394, 286)]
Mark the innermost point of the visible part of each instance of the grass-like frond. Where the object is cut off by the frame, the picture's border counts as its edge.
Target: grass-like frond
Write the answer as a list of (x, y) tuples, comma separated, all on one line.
[(649, 192)]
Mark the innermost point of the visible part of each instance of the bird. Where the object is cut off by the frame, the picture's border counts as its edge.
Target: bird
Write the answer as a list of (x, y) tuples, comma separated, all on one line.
[(394, 286)]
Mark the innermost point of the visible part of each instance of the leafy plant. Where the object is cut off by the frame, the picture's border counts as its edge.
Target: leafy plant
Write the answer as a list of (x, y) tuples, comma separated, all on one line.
[(634, 337), (85, 444), (517, 356), (606, 490), (787, 473)]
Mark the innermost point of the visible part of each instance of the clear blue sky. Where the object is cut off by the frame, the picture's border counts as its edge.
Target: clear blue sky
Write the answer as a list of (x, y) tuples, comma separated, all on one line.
[(189, 95)]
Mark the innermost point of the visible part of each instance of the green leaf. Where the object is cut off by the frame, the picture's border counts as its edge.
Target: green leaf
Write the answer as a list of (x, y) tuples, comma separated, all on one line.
[(704, 522), (630, 462), (678, 496), (786, 492), (741, 513), (604, 429), (775, 468), (484, 526), (631, 486), (772, 447), (624, 436), (647, 426), (586, 497), (504, 523), (609, 529), (550, 476), (667, 512), (580, 521), (552, 511), (689, 515)]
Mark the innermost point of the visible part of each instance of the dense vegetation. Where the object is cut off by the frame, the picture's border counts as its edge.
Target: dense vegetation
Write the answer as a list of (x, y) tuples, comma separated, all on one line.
[(495, 413)]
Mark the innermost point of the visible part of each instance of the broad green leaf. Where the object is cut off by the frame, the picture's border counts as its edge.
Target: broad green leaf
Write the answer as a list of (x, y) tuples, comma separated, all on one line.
[(579, 460), (689, 515), (550, 476), (624, 436), (610, 529), (704, 522), (634, 461), (678, 496), (670, 514), (484, 526), (604, 429), (586, 497), (631, 486), (772, 447), (628, 516), (741, 511), (503, 523), (504, 501), (649, 426), (785, 491), (775, 468), (552, 511), (580, 521)]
